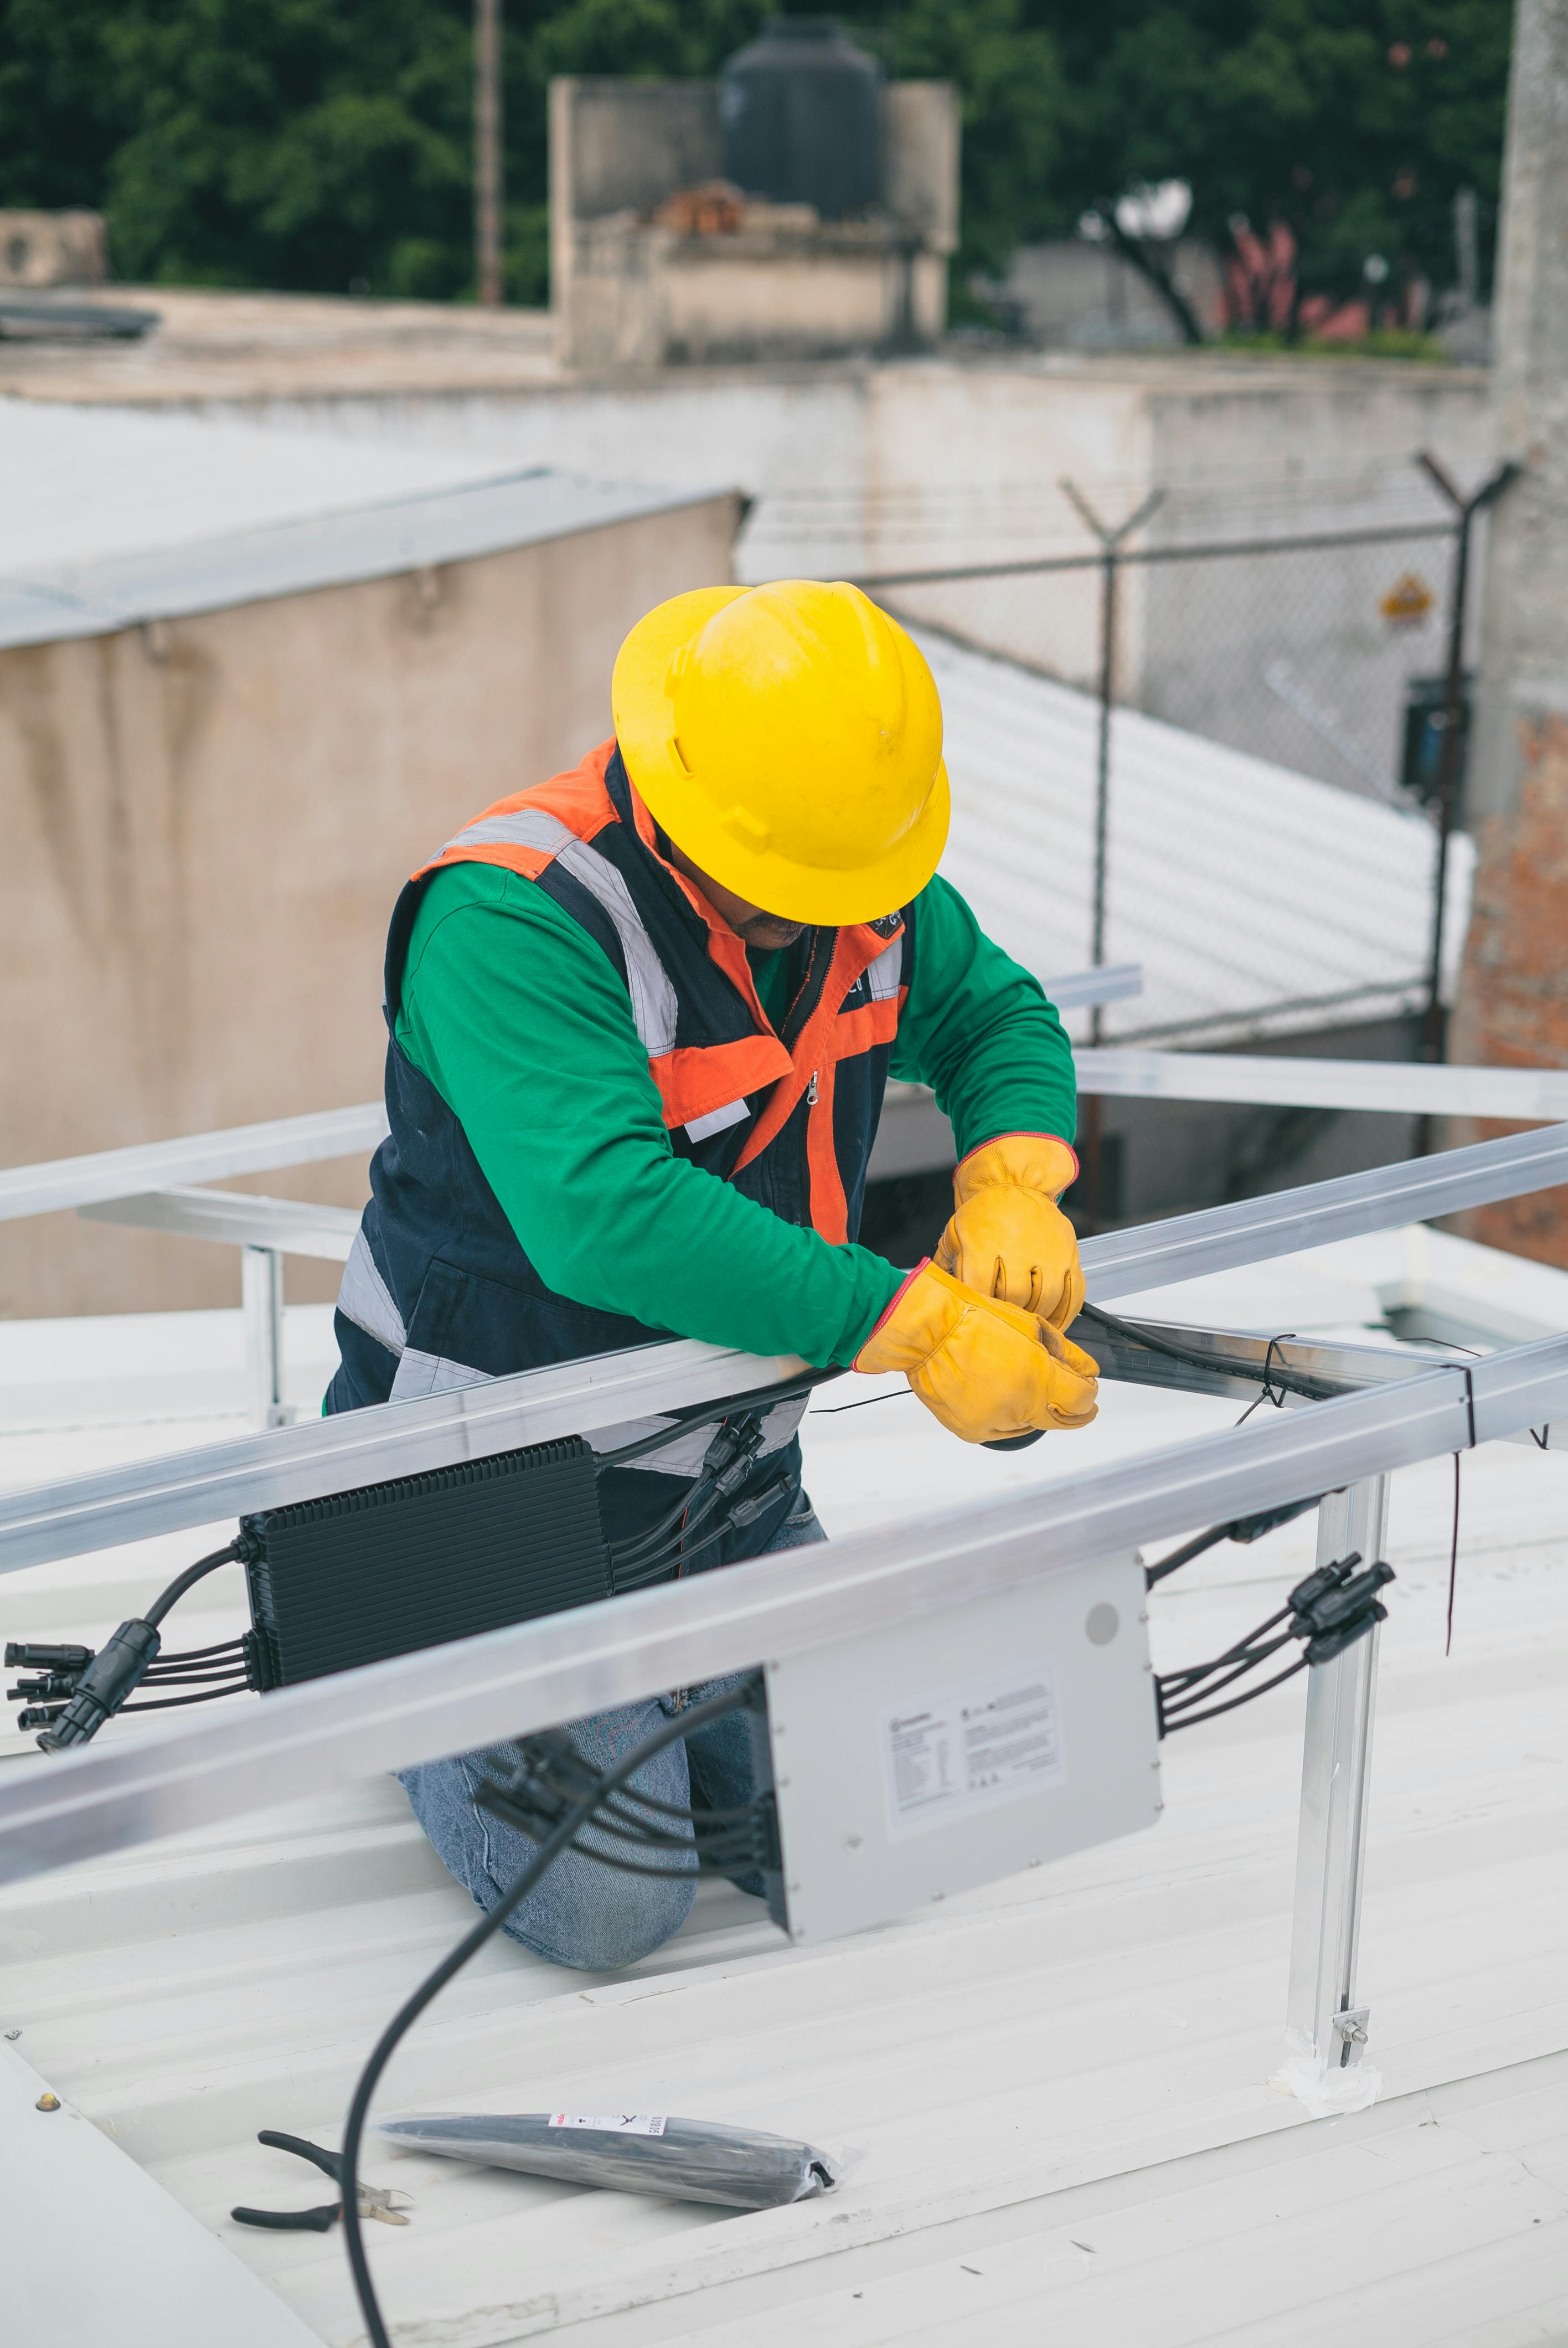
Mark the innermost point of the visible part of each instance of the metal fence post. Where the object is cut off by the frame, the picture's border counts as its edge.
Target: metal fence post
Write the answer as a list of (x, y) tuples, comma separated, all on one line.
[(1324, 2025), (261, 1297), (1112, 542), (1455, 720)]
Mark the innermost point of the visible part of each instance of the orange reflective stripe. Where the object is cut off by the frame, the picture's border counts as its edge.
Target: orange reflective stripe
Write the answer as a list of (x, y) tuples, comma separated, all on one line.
[(814, 1049), (696, 1079), (868, 1025), (577, 797), (829, 1206)]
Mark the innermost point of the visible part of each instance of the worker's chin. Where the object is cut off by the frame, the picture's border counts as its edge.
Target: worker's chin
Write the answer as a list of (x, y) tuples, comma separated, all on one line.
[(768, 934)]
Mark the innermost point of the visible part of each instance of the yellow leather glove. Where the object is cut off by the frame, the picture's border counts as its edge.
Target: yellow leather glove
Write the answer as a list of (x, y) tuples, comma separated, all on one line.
[(1007, 1236), (983, 1367)]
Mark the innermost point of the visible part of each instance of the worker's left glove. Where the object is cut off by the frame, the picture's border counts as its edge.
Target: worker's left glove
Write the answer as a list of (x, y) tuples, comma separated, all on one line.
[(1007, 1236)]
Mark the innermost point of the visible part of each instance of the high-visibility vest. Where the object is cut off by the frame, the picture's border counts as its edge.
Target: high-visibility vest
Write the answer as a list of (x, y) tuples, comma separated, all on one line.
[(438, 1290)]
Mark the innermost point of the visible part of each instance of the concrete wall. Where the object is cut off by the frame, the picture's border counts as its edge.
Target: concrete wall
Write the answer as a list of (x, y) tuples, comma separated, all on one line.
[(204, 823), (1070, 295), (866, 468), (629, 295)]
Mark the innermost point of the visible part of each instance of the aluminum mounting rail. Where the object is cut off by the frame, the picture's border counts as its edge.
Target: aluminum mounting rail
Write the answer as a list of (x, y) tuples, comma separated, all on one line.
[(63, 1183), (304, 1740), (1415, 1190), (289, 1226), (366, 1446), (1231, 1363), (628, 1391), (1400, 1086), (129, 1174)]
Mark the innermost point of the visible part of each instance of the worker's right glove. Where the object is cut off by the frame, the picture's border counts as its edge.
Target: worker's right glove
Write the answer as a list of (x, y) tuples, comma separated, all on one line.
[(987, 1369)]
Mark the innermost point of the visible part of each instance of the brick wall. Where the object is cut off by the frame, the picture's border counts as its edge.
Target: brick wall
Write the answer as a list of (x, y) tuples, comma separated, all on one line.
[(1513, 1009)]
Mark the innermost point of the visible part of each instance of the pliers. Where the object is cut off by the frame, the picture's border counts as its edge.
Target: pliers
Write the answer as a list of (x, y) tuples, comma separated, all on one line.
[(375, 2202)]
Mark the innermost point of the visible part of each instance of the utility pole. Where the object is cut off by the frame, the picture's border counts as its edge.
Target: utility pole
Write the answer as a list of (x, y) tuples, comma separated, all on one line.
[(487, 151), (1513, 1004)]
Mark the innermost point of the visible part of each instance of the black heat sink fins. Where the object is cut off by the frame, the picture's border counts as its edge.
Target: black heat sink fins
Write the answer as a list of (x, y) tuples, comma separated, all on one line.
[(362, 1575)]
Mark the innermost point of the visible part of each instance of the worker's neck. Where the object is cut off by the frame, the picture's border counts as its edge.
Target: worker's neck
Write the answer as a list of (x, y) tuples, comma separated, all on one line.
[(763, 931)]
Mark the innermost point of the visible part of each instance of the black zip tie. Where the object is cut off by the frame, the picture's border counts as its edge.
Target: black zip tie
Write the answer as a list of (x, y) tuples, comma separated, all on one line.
[(1268, 1393), (1453, 1562)]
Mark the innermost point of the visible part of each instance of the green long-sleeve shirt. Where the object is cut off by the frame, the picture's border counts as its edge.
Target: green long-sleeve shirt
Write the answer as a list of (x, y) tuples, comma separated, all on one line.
[(517, 1017)]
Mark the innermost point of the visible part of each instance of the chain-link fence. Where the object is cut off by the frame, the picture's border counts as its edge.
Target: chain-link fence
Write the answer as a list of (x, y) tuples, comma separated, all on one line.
[(1337, 654)]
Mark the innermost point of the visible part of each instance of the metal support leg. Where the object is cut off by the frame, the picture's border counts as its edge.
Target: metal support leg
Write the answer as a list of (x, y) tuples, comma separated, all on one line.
[(262, 1294), (1324, 2027)]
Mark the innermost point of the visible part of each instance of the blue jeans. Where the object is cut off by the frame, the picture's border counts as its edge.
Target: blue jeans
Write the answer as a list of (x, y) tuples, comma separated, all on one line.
[(583, 1913)]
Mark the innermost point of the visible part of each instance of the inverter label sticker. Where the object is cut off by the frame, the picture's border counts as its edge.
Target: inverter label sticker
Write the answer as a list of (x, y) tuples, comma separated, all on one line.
[(960, 1749), (611, 2123)]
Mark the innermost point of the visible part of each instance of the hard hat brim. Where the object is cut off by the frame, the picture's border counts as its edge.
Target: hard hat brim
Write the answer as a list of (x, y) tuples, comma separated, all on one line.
[(794, 891)]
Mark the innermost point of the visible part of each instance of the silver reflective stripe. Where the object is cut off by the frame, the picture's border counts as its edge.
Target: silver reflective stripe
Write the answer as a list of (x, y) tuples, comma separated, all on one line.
[(886, 975), (698, 1129), (427, 1374), (653, 1005), (366, 1301), (529, 827)]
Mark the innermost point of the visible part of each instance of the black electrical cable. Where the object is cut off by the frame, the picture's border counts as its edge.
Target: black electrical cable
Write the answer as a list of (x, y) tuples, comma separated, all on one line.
[(1199, 1691), (199, 1654), (1295, 1382), (671, 1527), (1245, 1529), (667, 1566), (168, 1703), (608, 1782), (1231, 1654), (156, 1678), (702, 1498), (1195, 1719), (184, 1581), (704, 1414)]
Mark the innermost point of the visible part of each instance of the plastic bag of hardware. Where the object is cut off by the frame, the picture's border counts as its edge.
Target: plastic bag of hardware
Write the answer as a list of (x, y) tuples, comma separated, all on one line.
[(632, 2152)]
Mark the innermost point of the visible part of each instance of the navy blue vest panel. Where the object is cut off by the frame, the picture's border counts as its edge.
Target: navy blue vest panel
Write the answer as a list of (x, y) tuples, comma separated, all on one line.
[(440, 1290)]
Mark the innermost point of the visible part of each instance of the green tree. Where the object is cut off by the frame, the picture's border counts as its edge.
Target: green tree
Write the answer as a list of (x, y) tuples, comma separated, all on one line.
[(1354, 122), (326, 144)]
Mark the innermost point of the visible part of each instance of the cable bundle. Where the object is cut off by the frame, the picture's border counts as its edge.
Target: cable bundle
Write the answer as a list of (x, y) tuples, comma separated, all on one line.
[(552, 1778), (1333, 1607), (93, 1683), (661, 1551)]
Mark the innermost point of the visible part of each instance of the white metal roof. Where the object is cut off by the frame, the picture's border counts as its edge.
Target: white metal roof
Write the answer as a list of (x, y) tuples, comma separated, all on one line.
[(109, 517), (1258, 901), (1052, 2094)]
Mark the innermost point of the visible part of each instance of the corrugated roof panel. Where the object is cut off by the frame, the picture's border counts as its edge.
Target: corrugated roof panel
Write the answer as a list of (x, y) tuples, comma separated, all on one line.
[(1244, 888), (1051, 2094)]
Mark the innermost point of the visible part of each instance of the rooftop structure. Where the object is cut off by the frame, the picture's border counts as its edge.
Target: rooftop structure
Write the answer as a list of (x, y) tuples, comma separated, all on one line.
[(247, 685), (1258, 901), (1051, 2097)]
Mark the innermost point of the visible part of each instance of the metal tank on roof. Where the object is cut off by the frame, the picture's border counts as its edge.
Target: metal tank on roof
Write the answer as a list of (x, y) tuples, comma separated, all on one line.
[(802, 114)]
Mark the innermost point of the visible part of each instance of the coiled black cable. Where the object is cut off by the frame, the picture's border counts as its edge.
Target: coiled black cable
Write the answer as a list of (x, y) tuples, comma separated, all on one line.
[(563, 1836)]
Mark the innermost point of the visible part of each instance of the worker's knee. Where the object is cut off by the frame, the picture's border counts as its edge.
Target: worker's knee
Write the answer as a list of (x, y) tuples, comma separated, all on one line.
[(598, 1921), (581, 1912)]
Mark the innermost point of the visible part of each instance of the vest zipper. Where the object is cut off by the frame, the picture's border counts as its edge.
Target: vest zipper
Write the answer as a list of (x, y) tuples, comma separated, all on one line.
[(811, 1090)]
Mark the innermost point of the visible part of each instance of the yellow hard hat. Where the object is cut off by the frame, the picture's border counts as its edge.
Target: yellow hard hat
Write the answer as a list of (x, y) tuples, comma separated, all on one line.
[(789, 739)]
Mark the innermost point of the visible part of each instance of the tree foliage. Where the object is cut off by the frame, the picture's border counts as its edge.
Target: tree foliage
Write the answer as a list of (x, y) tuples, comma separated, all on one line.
[(326, 144), (1354, 122)]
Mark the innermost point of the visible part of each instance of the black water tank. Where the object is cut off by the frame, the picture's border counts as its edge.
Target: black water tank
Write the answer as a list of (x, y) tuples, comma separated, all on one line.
[(801, 108)]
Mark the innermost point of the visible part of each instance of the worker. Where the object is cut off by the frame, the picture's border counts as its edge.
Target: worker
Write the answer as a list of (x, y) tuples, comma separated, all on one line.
[(642, 1017)]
